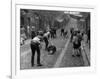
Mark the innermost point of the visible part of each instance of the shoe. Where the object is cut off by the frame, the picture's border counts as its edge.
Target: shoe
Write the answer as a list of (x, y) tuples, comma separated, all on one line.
[(73, 55), (39, 65), (78, 55), (32, 65)]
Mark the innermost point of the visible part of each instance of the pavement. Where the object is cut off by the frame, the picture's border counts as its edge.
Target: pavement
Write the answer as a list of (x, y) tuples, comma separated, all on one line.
[(85, 53), (69, 61)]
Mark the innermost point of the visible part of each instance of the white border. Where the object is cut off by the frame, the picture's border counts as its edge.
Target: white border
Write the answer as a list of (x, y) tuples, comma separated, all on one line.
[(17, 73)]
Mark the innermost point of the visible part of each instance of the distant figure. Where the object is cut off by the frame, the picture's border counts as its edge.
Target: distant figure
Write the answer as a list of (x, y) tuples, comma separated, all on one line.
[(28, 31), (52, 33), (65, 34), (35, 47), (62, 32), (72, 33), (22, 40), (77, 44), (88, 34)]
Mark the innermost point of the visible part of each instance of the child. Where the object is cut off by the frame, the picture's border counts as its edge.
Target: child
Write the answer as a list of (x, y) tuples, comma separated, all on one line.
[(76, 45)]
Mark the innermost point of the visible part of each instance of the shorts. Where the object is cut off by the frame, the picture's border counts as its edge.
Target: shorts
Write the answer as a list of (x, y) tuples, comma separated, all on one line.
[(76, 46)]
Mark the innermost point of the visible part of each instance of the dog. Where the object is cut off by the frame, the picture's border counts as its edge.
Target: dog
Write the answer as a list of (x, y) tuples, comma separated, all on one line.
[(51, 49)]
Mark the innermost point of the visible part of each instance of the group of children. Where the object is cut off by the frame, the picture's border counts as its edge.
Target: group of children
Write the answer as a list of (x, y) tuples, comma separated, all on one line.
[(64, 33), (36, 46), (76, 39)]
